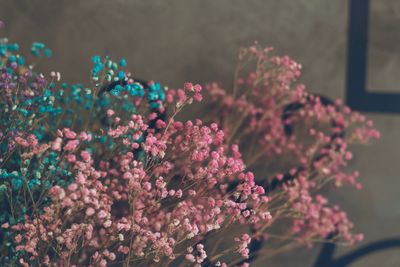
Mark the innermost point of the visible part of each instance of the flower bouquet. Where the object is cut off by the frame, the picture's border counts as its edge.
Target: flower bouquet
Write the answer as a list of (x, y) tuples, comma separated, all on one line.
[(107, 174)]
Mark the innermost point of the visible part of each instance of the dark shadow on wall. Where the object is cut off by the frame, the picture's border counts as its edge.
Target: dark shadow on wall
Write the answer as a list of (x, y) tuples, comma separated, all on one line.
[(357, 95), (326, 259)]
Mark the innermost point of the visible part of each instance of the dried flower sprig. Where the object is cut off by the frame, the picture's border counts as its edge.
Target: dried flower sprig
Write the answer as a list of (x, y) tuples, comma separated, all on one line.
[(296, 142), (106, 175)]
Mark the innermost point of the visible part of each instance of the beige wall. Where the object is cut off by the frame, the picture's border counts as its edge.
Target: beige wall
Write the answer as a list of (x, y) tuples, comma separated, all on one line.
[(180, 40)]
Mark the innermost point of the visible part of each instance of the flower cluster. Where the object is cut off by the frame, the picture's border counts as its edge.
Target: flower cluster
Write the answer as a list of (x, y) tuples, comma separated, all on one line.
[(150, 206), (34, 108), (106, 175), (296, 142)]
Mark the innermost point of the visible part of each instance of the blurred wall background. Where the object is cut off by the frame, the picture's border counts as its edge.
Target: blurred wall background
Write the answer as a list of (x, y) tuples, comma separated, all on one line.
[(179, 40)]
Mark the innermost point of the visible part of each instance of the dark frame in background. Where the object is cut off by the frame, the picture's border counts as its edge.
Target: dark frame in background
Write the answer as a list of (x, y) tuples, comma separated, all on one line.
[(358, 98), (357, 95)]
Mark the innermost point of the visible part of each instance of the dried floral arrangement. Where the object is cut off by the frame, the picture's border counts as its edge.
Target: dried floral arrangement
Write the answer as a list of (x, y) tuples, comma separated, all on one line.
[(106, 174)]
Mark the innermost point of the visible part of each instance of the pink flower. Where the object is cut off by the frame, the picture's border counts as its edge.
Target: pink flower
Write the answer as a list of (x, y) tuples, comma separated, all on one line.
[(102, 214), (85, 155), (69, 134), (90, 211), (73, 187), (21, 141), (56, 145), (190, 257), (18, 238), (198, 97), (71, 145), (110, 112)]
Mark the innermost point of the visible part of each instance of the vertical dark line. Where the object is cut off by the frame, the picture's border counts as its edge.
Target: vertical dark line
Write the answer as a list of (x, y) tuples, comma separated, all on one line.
[(325, 256), (357, 52)]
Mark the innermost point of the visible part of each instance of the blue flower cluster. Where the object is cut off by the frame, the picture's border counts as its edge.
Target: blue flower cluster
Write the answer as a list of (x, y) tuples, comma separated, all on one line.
[(35, 105)]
